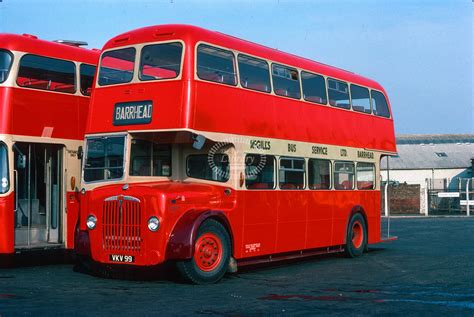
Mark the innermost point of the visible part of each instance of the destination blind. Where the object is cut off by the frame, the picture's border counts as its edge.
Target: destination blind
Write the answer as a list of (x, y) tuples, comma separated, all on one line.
[(135, 112)]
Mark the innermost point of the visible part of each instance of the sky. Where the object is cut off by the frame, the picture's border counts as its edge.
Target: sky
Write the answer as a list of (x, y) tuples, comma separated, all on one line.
[(421, 51)]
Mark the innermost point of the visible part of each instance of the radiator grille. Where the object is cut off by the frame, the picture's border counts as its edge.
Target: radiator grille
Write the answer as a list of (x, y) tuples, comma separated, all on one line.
[(121, 225)]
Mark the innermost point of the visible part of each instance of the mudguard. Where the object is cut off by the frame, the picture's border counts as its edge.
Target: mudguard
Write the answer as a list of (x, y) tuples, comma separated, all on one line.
[(180, 245), (82, 242), (357, 209)]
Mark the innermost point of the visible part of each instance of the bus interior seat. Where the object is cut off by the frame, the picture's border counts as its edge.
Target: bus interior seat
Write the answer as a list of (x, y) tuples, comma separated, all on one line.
[(314, 99), (364, 185), (320, 186), (346, 185), (288, 186), (39, 84), (259, 186), (257, 86), (281, 92), (211, 76), (65, 88)]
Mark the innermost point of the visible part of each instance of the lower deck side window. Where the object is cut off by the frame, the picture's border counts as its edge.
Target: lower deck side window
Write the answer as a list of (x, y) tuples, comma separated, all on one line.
[(150, 159), (4, 183), (259, 171), (344, 175), (319, 174), (365, 176), (292, 173), (213, 168)]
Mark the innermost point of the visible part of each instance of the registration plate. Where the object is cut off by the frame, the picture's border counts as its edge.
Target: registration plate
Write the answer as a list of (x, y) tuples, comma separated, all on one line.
[(121, 258)]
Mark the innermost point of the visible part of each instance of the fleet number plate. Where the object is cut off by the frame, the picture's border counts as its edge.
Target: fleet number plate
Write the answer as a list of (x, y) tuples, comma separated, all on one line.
[(121, 258)]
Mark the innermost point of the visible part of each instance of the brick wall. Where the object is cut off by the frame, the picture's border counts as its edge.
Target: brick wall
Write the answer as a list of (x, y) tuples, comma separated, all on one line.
[(404, 199)]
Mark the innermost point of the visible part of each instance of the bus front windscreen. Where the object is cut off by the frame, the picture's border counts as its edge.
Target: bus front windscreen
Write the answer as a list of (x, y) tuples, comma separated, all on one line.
[(4, 183), (104, 158), (116, 67), (5, 64)]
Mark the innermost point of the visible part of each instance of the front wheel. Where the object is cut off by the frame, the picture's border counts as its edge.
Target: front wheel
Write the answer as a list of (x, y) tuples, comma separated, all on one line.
[(211, 255), (356, 239)]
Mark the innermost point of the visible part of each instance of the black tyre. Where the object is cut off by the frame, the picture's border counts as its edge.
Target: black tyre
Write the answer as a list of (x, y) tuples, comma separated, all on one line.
[(211, 255), (356, 239)]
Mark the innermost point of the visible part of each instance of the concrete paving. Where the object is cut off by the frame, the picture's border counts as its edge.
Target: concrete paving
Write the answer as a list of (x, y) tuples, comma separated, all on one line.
[(428, 271)]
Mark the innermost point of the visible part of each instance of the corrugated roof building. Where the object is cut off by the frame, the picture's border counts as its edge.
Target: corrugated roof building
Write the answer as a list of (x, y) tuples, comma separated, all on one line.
[(433, 161), (433, 151)]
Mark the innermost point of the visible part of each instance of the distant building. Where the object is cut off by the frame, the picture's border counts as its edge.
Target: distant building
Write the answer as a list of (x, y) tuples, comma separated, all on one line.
[(438, 161)]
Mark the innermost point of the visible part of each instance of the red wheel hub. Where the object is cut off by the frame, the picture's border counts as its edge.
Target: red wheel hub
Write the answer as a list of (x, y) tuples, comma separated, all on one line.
[(208, 252), (357, 234)]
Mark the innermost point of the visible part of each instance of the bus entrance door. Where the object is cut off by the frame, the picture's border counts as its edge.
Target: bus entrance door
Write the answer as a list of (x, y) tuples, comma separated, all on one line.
[(38, 194)]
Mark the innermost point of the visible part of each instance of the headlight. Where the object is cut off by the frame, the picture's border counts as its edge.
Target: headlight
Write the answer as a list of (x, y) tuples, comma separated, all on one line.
[(91, 222), (153, 223)]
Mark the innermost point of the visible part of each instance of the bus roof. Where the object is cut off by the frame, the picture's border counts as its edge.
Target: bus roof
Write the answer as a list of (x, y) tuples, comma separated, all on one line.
[(195, 34), (31, 44)]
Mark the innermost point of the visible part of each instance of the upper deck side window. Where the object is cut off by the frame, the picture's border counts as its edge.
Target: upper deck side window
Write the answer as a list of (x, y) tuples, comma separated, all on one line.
[(216, 65), (6, 59), (45, 73), (116, 67), (338, 93), (160, 61), (360, 98), (380, 104), (314, 88), (87, 73), (254, 73), (286, 81)]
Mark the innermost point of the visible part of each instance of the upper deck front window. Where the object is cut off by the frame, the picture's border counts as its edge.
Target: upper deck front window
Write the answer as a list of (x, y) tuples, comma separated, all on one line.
[(160, 61), (104, 158), (116, 67), (5, 64)]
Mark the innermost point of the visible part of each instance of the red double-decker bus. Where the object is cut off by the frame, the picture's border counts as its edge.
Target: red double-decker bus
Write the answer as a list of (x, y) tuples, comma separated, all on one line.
[(44, 98), (214, 152)]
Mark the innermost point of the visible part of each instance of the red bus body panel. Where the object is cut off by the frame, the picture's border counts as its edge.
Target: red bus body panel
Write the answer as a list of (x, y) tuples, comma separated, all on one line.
[(7, 237), (263, 222), (28, 112)]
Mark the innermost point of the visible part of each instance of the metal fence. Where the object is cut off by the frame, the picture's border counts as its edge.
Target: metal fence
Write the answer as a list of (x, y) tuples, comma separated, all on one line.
[(438, 197), (449, 196)]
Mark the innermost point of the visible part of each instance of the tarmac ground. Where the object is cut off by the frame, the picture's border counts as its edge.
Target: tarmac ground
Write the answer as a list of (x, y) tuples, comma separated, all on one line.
[(429, 270)]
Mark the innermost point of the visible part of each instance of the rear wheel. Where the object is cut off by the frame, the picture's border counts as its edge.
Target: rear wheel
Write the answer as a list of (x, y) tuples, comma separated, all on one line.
[(211, 254), (356, 239)]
